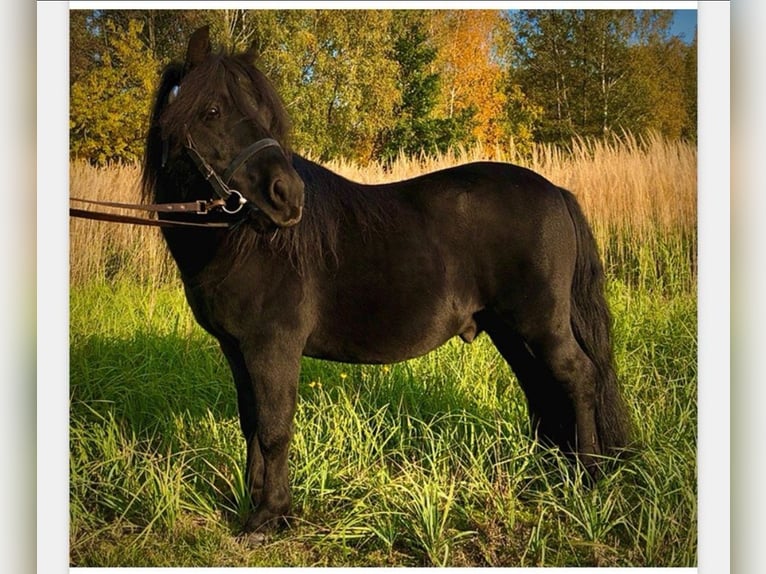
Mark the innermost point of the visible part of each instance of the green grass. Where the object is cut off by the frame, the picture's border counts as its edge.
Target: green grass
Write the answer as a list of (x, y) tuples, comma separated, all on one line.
[(422, 463)]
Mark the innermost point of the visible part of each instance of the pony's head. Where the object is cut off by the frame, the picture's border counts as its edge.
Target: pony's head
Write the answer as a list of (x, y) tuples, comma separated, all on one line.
[(224, 111)]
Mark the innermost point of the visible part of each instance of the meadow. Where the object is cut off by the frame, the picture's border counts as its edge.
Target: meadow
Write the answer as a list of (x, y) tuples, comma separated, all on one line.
[(421, 463)]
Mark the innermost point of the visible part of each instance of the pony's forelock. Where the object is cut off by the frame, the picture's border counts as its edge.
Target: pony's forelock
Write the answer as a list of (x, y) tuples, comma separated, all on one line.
[(153, 152)]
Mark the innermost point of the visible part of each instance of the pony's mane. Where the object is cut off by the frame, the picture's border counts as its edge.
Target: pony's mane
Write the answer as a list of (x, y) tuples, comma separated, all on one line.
[(153, 149), (330, 203), (329, 200)]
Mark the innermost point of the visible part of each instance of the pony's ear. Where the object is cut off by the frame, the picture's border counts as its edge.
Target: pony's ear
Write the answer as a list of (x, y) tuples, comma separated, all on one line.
[(251, 55), (199, 47)]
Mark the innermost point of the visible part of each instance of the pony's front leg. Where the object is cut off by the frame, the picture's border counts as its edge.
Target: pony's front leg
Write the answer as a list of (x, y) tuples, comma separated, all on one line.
[(247, 420), (274, 367)]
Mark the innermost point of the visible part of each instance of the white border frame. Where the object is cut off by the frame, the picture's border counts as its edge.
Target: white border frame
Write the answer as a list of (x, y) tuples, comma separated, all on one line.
[(52, 265)]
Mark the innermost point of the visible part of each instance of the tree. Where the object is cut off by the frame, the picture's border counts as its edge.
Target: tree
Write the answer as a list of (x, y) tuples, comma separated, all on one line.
[(663, 78), (542, 44), (416, 128), (110, 98), (334, 72), (596, 72), (573, 63), (83, 44), (602, 41), (362, 84), (690, 91), (658, 70), (237, 29), (330, 66), (472, 76), (521, 116)]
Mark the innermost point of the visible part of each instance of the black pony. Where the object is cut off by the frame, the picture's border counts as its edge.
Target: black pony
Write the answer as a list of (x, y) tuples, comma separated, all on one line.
[(316, 265)]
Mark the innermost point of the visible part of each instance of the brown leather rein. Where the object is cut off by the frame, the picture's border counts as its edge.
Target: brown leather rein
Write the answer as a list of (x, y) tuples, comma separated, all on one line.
[(202, 207), (229, 200)]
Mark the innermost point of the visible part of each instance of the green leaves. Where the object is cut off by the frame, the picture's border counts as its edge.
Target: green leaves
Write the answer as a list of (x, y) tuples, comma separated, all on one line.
[(333, 71), (600, 72), (367, 85), (109, 104), (418, 128)]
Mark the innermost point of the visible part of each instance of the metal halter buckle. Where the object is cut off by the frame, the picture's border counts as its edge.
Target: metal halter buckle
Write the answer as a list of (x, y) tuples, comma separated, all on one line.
[(202, 207)]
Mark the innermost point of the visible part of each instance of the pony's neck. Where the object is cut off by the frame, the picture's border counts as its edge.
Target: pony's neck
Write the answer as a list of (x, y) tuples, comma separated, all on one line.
[(193, 249), (330, 201)]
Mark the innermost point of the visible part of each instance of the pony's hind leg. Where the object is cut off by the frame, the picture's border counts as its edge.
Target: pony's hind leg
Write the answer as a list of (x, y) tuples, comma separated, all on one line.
[(558, 379), (571, 367), (551, 413)]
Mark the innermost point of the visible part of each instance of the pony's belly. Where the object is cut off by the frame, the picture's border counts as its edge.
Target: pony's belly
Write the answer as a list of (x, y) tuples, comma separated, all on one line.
[(387, 341), (371, 353)]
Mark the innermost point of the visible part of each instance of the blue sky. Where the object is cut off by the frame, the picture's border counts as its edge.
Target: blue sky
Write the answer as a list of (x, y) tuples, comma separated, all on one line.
[(684, 24)]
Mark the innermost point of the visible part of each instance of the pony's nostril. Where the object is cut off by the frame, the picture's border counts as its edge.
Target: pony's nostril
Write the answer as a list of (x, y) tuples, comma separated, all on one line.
[(279, 191)]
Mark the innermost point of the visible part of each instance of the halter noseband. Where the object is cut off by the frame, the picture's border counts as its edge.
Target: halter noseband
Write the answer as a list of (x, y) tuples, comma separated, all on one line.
[(233, 199)]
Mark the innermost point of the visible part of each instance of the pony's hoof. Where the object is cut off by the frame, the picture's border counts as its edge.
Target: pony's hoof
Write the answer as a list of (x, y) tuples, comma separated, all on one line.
[(254, 539), (261, 526)]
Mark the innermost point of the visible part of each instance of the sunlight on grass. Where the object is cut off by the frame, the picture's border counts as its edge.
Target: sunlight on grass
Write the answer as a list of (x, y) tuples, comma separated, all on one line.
[(408, 464), (422, 463)]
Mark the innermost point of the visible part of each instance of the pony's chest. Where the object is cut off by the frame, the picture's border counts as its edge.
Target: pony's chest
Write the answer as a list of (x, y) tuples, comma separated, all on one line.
[(243, 304)]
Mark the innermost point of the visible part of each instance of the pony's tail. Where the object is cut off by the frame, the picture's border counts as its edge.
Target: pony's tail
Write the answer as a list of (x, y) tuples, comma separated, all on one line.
[(591, 324)]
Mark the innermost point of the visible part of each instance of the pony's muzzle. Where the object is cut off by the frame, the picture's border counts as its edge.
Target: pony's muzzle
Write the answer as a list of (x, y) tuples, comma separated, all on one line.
[(286, 194)]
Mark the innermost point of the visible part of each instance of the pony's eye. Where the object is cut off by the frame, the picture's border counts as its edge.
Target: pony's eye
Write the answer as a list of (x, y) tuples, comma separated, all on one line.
[(212, 112)]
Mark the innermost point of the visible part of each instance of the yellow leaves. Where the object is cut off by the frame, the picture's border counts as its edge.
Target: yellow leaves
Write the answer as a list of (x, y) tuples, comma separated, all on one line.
[(471, 78), (109, 104)]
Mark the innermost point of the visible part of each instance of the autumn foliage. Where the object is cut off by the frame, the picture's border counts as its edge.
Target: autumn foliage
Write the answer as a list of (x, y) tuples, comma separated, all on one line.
[(373, 85), (471, 76)]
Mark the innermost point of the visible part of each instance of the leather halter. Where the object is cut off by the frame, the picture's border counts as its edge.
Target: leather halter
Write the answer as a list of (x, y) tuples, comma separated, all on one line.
[(229, 200), (233, 199)]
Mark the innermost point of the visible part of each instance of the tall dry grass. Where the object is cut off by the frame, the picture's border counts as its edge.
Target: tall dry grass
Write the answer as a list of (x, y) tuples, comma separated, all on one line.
[(104, 251), (640, 195)]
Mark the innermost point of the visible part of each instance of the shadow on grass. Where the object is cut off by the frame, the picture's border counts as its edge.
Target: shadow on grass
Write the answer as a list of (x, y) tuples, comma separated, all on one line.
[(149, 379), (172, 401)]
